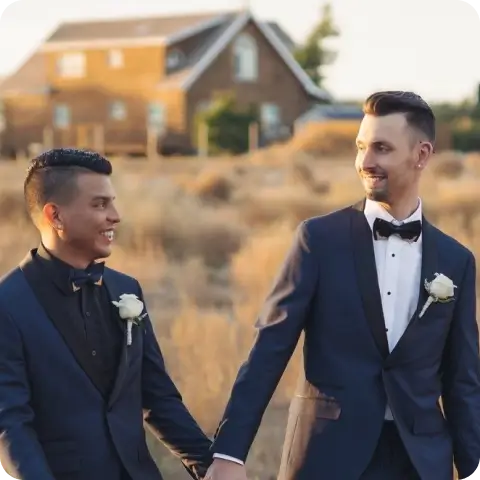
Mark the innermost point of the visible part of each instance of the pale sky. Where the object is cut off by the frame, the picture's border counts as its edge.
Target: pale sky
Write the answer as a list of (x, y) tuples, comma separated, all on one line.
[(429, 46)]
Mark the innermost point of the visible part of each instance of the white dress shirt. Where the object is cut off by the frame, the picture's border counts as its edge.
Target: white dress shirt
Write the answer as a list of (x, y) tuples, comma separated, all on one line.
[(398, 265)]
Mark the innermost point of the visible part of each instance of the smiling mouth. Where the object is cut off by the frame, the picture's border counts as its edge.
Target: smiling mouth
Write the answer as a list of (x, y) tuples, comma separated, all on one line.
[(374, 178), (109, 234)]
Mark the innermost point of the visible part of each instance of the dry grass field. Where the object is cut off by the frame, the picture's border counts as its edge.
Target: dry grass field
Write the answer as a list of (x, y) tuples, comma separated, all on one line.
[(206, 237)]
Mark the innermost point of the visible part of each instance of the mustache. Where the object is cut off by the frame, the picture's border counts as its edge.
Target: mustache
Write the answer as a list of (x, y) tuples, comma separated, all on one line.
[(373, 172)]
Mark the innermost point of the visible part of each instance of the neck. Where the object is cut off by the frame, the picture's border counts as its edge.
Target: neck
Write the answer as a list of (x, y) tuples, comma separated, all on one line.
[(401, 210), (65, 253)]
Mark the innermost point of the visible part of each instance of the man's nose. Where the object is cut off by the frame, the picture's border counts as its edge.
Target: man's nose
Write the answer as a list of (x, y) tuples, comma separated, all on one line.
[(114, 216), (368, 160)]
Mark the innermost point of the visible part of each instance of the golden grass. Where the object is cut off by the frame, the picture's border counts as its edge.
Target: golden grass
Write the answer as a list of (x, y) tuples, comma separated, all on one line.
[(206, 237)]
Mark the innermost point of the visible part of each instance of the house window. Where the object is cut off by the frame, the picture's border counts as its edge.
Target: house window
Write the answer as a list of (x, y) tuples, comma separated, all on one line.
[(156, 116), (118, 111), (203, 106), (61, 116), (270, 118), (245, 58), (174, 59), (270, 114), (115, 58), (72, 65)]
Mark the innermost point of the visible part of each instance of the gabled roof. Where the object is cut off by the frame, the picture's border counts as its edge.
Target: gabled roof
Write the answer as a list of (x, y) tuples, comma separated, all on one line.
[(285, 38), (229, 34), (223, 28), (165, 29), (29, 78)]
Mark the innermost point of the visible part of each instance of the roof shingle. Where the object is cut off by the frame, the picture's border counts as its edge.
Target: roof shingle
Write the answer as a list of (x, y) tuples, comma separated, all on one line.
[(131, 28)]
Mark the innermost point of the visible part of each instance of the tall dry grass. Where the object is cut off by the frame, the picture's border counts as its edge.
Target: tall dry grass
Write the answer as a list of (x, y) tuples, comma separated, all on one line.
[(206, 238)]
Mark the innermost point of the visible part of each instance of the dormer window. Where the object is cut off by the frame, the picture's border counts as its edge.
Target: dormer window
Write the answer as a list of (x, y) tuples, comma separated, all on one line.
[(174, 59)]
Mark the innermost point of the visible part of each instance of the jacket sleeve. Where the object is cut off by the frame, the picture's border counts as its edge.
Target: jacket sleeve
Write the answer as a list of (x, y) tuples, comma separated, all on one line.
[(461, 377), (166, 413), (21, 454), (279, 326)]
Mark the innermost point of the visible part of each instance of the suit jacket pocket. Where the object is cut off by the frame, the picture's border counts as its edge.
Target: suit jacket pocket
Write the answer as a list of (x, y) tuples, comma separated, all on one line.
[(309, 418), (316, 407), (62, 456)]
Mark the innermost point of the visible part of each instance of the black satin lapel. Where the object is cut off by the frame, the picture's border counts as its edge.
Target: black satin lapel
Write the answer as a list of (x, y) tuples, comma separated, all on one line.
[(429, 265), (114, 294), (62, 318), (367, 279)]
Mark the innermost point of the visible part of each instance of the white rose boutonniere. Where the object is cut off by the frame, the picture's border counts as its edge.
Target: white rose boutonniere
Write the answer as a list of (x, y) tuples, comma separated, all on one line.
[(440, 289), (130, 308)]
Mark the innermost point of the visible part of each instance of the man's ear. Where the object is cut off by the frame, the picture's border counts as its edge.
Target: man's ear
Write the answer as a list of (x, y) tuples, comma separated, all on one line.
[(425, 151), (51, 213)]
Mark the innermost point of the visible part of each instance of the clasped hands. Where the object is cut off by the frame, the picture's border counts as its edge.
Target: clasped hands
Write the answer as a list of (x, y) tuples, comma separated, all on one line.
[(226, 470)]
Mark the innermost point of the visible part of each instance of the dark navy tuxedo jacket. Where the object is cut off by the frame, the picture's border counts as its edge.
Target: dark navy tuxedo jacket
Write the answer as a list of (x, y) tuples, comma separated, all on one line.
[(55, 424), (328, 289)]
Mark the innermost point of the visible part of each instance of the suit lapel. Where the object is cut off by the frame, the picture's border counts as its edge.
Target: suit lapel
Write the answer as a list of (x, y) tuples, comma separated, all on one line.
[(114, 291), (429, 268), (365, 266), (63, 318)]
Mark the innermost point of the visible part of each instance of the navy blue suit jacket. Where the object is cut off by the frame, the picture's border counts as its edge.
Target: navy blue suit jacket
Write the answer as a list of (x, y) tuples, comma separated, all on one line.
[(328, 289), (55, 424)]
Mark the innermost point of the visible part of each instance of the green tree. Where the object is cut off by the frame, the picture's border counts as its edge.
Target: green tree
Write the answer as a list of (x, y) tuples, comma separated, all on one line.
[(313, 54), (228, 125)]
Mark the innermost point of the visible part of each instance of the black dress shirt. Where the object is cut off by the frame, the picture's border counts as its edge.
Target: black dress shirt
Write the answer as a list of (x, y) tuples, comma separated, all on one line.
[(100, 331)]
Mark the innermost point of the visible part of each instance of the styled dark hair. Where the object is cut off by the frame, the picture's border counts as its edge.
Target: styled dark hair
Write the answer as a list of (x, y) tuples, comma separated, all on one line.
[(418, 113), (52, 176)]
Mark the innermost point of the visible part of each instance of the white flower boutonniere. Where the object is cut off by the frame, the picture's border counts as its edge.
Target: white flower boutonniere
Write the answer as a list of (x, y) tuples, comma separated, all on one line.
[(440, 289), (130, 308)]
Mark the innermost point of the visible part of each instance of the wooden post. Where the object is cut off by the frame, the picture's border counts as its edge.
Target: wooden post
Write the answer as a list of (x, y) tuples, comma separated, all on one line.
[(253, 134), (203, 140), (99, 138), (152, 142), (48, 140)]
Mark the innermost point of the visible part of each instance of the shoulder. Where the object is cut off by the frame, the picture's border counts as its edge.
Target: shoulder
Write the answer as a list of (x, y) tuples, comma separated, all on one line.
[(121, 278), (335, 222), (11, 283), (452, 248)]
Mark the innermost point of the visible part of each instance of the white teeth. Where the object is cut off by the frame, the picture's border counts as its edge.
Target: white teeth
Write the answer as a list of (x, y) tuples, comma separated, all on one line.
[(108, 234)]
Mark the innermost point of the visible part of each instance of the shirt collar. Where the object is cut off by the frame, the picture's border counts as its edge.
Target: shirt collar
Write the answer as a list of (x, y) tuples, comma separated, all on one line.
[(59, 271), (375, 210)]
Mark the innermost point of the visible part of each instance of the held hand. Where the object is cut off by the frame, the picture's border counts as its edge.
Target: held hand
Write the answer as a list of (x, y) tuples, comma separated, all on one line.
[(226, 470)]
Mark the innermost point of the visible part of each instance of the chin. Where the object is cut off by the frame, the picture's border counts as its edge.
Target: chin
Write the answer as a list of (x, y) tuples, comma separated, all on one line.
[(103, 252), (376, 195)]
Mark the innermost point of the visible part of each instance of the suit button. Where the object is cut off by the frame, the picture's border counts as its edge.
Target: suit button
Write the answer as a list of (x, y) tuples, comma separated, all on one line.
[(94, 353)]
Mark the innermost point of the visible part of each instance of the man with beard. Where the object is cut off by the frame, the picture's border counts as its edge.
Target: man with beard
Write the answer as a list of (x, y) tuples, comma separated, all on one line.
[(387, 303), (78, 376)]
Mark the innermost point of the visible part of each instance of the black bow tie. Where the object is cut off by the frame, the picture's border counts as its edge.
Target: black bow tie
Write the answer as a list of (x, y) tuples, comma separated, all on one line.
[(408, 231), (92, 274)]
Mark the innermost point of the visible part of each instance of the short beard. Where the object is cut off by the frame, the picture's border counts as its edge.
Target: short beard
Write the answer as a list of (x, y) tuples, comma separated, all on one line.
[(378, 196)]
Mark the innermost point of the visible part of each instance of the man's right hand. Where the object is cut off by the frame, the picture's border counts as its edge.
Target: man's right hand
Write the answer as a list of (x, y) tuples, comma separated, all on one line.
[(222, 469)]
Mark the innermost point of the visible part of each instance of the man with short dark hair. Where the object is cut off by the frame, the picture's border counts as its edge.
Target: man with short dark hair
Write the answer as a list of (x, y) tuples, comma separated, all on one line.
[(79, 362), (387, 303)]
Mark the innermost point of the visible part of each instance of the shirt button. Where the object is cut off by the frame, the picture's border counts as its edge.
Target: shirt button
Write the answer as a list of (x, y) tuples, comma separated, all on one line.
[(389, 293), (94, 352), (393, 254), (87, 314)]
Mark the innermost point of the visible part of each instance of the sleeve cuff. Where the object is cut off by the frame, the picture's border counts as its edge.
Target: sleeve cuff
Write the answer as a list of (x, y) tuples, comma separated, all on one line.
[(227, 457)]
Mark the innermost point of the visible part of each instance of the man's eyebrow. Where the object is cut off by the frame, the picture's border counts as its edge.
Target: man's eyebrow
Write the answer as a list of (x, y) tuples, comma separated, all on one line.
[(103, 197)]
